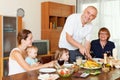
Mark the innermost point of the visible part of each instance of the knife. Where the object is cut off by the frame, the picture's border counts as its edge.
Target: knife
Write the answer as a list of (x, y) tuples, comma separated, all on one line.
[(87, 58)]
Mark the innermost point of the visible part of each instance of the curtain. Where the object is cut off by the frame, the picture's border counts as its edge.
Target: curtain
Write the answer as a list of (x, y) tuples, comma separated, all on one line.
[(108, 16)]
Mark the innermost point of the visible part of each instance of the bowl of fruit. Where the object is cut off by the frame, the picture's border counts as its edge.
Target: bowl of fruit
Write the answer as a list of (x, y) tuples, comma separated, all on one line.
[(65, 72)]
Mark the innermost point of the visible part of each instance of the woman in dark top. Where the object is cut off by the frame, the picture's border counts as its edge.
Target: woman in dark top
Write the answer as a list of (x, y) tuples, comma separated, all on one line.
[(102, 45)]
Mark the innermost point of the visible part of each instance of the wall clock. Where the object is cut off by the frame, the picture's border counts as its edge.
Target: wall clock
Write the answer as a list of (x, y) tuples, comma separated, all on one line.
[(20, 12)]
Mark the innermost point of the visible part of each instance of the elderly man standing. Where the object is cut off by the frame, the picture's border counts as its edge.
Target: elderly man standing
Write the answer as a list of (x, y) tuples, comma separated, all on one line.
[(78, 27)]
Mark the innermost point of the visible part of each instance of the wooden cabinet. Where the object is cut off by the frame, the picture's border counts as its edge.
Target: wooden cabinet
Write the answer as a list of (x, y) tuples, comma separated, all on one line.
[(53, 19), (6, 28)]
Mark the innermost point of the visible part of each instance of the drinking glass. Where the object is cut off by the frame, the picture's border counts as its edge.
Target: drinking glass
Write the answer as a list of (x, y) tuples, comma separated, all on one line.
[(60, 62), (78, 60), (108, 53)]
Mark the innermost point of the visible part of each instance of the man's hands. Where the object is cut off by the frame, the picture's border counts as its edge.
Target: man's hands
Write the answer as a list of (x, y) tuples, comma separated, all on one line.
[(84, 52), (88, 56)]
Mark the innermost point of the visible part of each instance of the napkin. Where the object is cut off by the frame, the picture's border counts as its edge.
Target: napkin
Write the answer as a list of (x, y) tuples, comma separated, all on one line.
[(117, 66)]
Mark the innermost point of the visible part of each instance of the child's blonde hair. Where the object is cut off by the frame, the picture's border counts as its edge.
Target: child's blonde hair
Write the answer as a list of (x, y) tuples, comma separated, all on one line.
[(60, 52), (29, 48)]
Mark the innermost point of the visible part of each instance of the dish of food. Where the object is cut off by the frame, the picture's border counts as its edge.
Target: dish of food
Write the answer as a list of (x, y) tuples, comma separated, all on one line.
[(91, 64), (91, 67), (65, 72), (47, 70)]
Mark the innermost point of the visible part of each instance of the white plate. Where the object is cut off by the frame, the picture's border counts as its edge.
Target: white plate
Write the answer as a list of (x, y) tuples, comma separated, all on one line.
[(47, 70), (67, 65), (97, 59), (48, 76), (92, 67)]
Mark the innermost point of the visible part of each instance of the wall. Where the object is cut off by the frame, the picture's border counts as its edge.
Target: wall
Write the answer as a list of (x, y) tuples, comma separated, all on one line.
[(32, 8)]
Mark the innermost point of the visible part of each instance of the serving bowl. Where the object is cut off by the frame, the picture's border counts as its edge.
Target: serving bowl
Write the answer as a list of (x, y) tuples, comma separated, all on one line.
[(65, 72)]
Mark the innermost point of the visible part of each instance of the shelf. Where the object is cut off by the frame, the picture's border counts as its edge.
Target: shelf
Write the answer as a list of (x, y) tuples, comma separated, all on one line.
[(61, 21), (9, 29), (56, 22)]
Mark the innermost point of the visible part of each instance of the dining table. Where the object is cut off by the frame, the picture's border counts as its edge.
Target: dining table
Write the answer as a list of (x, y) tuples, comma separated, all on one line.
[(113, 74)]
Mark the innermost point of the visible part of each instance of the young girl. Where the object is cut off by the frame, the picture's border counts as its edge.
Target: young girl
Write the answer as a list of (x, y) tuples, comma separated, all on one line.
[(32, 54), (62, 54)]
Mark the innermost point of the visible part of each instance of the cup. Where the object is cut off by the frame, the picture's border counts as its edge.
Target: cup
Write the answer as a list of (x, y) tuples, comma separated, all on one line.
[(61, 62), (78, 60)]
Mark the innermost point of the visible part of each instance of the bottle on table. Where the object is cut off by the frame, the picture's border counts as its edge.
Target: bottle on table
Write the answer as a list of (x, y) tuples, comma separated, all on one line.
[(105, 65)]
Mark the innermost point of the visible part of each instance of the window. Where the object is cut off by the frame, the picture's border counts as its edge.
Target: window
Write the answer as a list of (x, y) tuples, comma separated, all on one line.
[(108, 14)]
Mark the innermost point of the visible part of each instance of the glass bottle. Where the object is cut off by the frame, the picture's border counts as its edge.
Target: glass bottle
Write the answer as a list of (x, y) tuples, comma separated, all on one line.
[(105, 58), (54, 25), (105, 65)]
